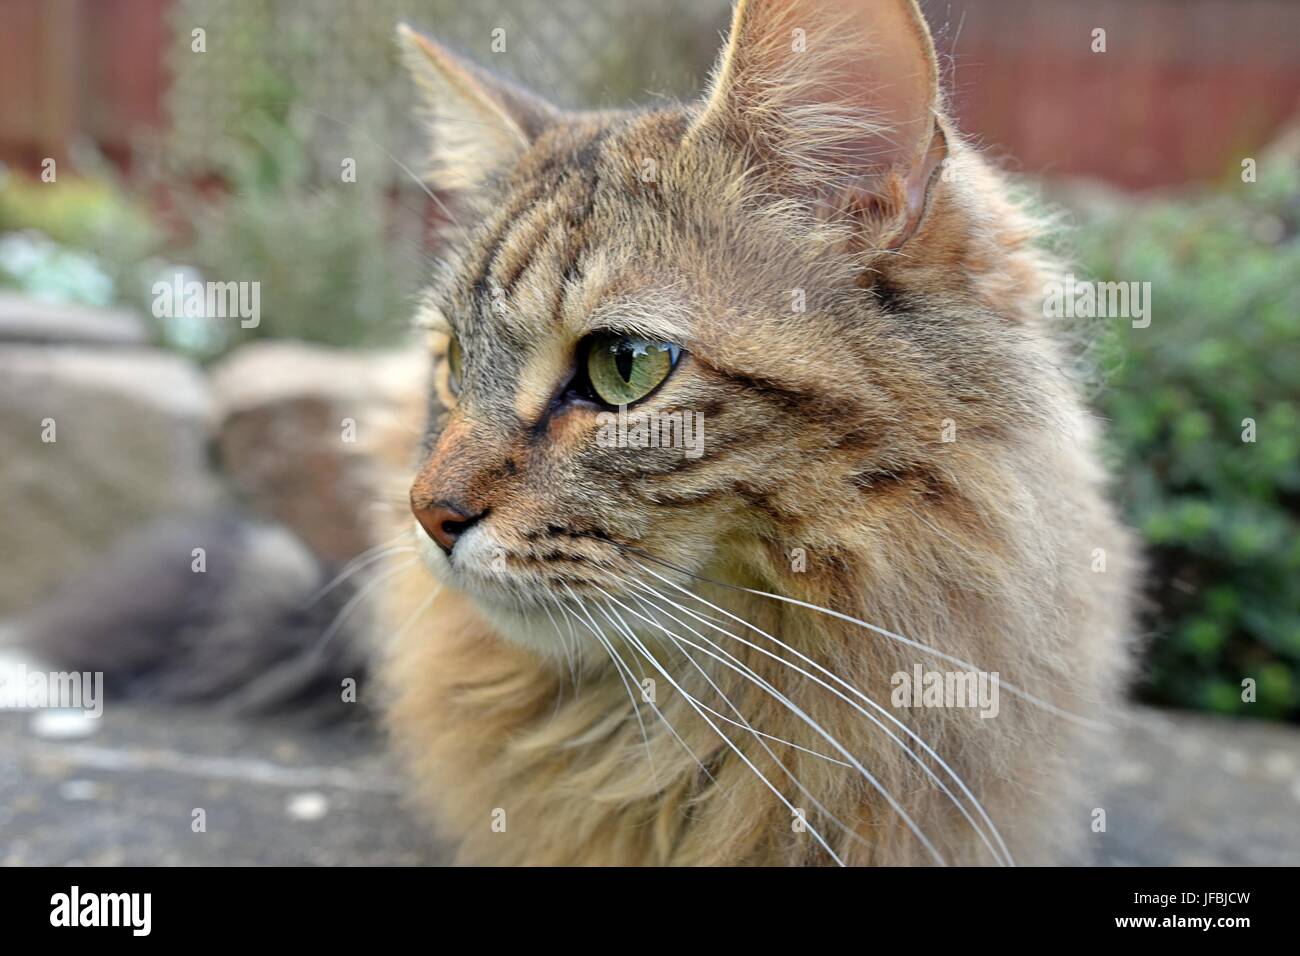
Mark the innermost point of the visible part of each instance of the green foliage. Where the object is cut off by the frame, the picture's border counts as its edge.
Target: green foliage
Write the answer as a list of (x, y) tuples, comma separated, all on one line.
[(73, 211), (78, 239), (338, 259), (337, 256), (1220, 515)]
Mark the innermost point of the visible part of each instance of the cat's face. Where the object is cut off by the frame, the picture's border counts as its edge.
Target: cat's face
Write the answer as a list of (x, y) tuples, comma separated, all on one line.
[(691, 268), (586, 289)]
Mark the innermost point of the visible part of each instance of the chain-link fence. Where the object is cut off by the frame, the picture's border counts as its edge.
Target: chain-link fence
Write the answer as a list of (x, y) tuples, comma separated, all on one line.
[(337, 60)]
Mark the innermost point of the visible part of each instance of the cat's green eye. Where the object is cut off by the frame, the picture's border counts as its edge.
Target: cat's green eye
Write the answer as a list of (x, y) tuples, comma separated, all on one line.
[(453, 366), (624, 369)]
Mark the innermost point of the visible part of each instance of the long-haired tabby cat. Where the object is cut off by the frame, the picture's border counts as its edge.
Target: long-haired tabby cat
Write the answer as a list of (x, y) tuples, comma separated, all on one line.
[(614, 654)]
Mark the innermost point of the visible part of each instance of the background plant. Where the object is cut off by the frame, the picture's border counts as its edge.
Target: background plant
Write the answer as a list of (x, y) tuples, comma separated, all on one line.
[(1220, 516), (338, 258)]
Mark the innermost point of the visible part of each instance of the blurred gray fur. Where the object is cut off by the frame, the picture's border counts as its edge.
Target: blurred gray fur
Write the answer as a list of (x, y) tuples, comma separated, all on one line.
[(251, 634)]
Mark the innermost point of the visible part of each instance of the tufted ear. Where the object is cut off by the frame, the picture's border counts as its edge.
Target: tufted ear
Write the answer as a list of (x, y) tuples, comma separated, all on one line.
[(479, 124), (839, 99)]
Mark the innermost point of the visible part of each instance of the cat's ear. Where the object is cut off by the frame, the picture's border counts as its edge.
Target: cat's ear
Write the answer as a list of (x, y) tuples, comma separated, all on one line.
[(479, 124), (837, 98)]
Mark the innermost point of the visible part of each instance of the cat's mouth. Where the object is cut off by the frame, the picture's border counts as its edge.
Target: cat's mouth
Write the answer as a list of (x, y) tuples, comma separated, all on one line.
[(543, 594), (526, 576)]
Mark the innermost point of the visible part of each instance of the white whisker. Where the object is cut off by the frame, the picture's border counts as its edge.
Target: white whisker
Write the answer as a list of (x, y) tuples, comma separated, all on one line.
[(750, 675), (930, 751), (631, 636), (362, 560), (773, 737), (423, 607), (568, 651), (741, 668), (949, 658), (559, 693), (619, 667), (356, 599)]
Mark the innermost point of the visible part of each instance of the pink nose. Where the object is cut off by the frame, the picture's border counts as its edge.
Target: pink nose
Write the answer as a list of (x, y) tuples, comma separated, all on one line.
[(443, 523)]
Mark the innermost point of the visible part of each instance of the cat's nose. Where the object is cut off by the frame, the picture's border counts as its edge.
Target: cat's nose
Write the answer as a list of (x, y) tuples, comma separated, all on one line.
[(444, 523)]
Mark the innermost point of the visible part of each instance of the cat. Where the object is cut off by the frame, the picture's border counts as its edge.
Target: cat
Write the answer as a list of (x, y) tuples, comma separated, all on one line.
[(613, 654)]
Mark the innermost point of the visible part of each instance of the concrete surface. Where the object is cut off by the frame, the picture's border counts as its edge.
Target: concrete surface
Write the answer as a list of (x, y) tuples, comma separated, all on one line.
[(125, 793), (1178, 789), (1194, 790)]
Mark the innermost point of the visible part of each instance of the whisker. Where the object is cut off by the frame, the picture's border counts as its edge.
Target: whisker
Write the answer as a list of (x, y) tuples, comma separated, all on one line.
[(631, 636), (666, 722), (559, 694), (620, 666), (934, 652), (568, 651), (352, 127), (750, 675), (797, 711), (907, 730), (419, 612), (356, 599), (362, 560), (653, 706), (773, 737)]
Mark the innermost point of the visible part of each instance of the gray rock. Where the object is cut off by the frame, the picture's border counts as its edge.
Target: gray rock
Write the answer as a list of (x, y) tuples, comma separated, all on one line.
[(23, 319), (314, 437), (95, 442)]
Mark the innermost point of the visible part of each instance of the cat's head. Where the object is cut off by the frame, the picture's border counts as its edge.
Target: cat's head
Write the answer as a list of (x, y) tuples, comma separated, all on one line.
[(801, 281)]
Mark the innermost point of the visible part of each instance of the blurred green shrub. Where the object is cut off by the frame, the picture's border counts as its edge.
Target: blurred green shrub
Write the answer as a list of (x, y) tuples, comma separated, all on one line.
[(78, 239), (73, 211), (338, 257), (1220, 515)]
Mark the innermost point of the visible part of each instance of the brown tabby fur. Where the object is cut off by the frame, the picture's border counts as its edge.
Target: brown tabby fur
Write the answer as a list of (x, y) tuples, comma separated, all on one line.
[(825, 432)]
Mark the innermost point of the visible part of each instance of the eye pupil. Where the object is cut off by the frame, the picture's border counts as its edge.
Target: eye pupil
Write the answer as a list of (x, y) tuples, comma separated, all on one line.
[(623, 360)]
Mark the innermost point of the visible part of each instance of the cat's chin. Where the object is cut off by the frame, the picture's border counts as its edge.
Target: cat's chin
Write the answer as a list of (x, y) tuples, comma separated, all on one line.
[(533, 630)]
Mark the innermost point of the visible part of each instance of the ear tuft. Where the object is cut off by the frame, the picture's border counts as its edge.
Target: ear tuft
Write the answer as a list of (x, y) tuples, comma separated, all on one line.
[(479, 124)]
